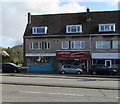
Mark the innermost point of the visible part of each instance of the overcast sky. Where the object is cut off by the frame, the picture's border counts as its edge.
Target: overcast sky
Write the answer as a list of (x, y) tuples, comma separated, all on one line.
[(13, 13)]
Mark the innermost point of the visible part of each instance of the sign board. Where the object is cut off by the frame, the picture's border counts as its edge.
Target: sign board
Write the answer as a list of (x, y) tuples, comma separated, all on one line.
[(40, 54), (73, 54), (105, 55)]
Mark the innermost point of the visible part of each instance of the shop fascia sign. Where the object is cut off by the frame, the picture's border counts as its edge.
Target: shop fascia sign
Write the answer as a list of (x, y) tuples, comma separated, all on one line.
[(40, 54), (73, 54), (105, 55)]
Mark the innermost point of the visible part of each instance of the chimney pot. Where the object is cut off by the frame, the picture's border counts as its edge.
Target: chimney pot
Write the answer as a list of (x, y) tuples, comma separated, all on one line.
[(88, 10)]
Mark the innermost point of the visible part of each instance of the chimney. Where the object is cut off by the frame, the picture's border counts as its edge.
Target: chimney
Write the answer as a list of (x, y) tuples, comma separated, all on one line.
[(29, 17), (88, 10)]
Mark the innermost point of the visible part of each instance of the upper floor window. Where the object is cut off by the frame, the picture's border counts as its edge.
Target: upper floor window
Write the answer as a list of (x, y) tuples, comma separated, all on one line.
[(116, 44), (74, 28), (35, 45), (39, 30), (103, 45), (77, 44), (65, 45), (106, 27), (47, 45)]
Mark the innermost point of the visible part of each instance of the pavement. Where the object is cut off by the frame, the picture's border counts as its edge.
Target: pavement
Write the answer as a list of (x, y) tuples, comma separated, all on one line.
[(57, 80)]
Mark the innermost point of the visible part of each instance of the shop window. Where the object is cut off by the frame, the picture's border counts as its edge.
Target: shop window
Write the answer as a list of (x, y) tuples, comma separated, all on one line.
[(102, 62), (116, 64), (65, 45), (74, 28), (37, 61), (103, 45), (116, 44), (39, 30), (77, 44), (35, 45), (106, 27)]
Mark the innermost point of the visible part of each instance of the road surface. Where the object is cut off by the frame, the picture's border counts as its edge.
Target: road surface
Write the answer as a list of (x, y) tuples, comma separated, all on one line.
[(21, 93), (59, 89), (81, 82)]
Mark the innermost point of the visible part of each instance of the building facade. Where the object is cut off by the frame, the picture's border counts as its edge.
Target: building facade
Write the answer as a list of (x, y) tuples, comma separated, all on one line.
[(75, 38)]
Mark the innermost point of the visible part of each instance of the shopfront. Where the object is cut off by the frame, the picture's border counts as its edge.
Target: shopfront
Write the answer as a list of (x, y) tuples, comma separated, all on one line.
[(111, 60), (77, 58), (40, 62)]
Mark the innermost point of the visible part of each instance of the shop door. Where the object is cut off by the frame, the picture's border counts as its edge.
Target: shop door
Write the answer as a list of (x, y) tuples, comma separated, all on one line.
[(108, 63)]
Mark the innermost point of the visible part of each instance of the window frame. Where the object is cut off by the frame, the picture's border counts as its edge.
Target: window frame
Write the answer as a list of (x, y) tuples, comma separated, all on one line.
[(35, 31), (76, 28), (73, 45), (31, 46), (109, 28), (100, 46), (67, 42), (47, 45), (116, 44)]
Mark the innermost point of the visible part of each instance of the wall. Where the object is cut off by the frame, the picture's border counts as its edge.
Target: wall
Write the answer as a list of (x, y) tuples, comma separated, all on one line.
[(56, 43), (103, 38)]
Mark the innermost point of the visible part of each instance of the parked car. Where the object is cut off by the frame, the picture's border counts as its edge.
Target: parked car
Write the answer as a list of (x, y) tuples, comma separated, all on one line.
[(117, 68), (70, 69), (10, 68), (101, 69)]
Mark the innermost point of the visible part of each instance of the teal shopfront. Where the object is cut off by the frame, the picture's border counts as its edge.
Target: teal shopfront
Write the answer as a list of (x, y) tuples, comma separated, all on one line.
[(40, 62)]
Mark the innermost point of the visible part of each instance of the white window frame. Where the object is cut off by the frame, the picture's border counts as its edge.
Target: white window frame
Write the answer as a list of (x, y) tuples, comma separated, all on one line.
[(65, 45), (110, 62), (116, 44), (100, 45), (48, 45), (76, 28), (108, 29), (31, 46), (73, 44), (34, 30), (39, 45)]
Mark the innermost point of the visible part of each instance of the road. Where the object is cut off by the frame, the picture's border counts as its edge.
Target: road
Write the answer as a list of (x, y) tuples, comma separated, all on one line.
[(79, 82), (21, 93), (59, 89)]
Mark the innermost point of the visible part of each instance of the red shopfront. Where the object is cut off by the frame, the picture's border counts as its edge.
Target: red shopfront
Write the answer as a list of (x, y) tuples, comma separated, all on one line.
[(73, 57)]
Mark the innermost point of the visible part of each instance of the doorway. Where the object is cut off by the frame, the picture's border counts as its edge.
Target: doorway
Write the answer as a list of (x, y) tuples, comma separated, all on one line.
[(108, 63)]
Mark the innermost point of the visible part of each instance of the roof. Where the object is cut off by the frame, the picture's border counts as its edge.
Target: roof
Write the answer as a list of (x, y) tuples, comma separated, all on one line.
[(56, 23)]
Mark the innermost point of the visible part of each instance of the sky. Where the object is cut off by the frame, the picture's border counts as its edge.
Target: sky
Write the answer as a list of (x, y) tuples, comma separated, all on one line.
[(13, 14)]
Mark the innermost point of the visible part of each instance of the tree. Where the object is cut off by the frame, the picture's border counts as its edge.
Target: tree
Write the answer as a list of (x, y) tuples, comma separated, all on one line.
[(15, 54)]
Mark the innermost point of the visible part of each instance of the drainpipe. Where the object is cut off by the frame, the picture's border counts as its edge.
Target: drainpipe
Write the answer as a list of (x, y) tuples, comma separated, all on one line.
[(87, 21), (90, 40)]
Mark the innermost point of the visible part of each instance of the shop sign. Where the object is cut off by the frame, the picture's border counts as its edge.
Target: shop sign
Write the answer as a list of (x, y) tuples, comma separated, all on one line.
[(73, 54), (40, 54), (105, 55)]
